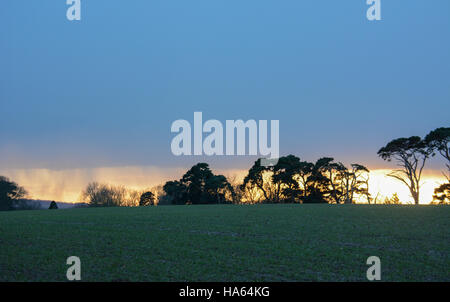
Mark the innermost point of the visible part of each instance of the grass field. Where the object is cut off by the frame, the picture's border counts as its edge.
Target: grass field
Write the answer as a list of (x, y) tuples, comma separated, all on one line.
[(227, 243)]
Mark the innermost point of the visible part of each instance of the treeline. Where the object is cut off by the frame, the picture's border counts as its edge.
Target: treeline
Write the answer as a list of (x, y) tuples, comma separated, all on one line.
[(290, 180)]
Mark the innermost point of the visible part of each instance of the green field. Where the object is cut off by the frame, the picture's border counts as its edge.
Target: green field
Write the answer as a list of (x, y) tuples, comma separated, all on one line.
[(227, 243)]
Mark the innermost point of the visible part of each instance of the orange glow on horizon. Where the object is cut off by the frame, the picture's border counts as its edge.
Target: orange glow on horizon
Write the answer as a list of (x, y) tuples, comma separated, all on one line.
[(67, 185), (385, 186)]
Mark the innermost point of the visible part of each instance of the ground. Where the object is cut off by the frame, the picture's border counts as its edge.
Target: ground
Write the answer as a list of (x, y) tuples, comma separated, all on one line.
[(227, 243)]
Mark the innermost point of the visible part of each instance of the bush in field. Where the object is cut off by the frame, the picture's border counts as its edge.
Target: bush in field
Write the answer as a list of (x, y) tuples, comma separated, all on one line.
[(53, 206)]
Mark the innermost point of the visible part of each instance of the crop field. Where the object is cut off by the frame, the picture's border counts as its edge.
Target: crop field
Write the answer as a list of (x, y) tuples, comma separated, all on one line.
[(227, 243)]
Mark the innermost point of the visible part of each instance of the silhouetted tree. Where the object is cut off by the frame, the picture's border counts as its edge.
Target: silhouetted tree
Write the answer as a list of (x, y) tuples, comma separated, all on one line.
[(176, 191), (10, 192), (255, 177), (53, 206), (217, 187), (410, 154), (292, 180), (199, 186), (147, 199), (347, 184), (442, 194), (103, 195), (335, 173), (273, 183), (438, 140), (317, 183), (196, 180), (305, 170), (286, 179)]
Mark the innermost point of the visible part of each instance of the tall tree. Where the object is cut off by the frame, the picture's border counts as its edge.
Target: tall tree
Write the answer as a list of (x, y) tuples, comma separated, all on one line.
[(199, 186), (355, 182), (217, 187), (175, 191), (344, 184), (285, 178), (304, 171), (438, 140), (255, 177), (335, 173), (195, 181), (410, 155), (318, 184), (10, 192)]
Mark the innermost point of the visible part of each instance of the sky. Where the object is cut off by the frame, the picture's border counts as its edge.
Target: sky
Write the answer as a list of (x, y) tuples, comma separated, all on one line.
[(101, 93)]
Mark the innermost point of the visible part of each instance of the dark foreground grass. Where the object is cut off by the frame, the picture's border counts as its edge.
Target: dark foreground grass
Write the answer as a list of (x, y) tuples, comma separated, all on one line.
[(227, 243)]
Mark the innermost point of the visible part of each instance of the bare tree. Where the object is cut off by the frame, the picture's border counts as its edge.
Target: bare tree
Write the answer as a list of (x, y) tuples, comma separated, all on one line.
[(410, 154), (103, 195)]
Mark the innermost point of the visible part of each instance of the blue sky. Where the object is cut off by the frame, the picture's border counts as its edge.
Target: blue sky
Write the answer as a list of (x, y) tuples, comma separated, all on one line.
[(104, 91)]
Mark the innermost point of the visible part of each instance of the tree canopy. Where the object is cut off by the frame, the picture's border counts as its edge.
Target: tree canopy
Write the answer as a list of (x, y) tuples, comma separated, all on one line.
[(292, 180), (199, 185), (10, 192), (147, 199), (410, 154), (438, 141)]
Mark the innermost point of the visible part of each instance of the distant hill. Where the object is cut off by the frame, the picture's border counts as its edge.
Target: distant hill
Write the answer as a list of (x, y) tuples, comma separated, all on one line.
[(44, 204)]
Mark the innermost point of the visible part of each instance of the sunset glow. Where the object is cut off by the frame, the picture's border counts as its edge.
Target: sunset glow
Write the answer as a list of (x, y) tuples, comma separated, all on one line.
[(66, 185)]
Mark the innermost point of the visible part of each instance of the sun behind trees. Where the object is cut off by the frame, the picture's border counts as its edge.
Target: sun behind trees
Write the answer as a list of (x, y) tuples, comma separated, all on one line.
[(294, 181), (438, 142), (291, 180), (411, 154), (104, 195)]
